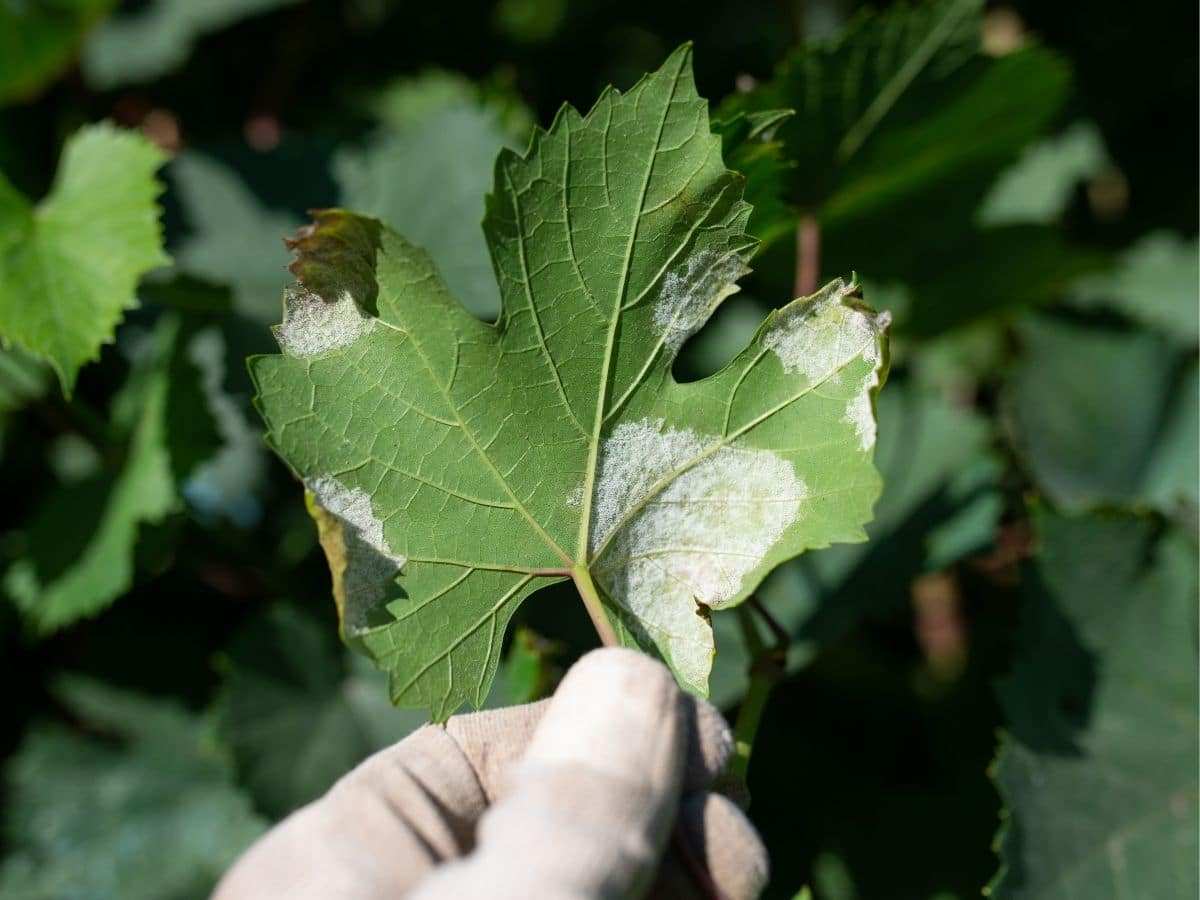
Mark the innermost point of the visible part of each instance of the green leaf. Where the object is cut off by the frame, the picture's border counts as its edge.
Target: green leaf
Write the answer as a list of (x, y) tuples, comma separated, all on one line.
[(70, 265), (483, 461), (1036, 189), (843, 91), (231, 236), (952, 142), (157, 38), (1098, 765), (750, 148), (1090, 408), (230, 478), (299, 711), (191, 428), (454, 147), (1154, 282), (901, 119), (931, 165), (80, 545), (145, 810), (407, 101), (528, 672), (903, 103), (38, 40), (1172, 478)]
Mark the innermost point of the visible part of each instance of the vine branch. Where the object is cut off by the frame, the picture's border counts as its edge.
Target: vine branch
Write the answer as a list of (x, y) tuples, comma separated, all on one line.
[(767, 665), (808, 255)]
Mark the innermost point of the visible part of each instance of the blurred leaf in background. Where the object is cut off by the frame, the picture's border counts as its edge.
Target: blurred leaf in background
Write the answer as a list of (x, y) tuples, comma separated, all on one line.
[(437, 134), (1102, 723), (39, 39), (299, 710), (1153, 282), (156, 39), (232, 238), (22, 380), (1105, 412), (79, 546), (69, 266), (902, 127), (1094, 418), (144, 807), (845, 92), (1014, 181), (1037, 187)]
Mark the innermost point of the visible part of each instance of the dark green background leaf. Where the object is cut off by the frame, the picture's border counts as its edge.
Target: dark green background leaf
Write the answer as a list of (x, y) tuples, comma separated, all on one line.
[(1102, 717)]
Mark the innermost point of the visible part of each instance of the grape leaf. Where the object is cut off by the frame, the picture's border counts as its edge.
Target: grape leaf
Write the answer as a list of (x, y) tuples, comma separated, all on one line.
[(229, 481), (228, 232), (848, 93), (157, 37), (148, 810), (408, 100), (39, 40), (750, 147), (1037, 188), (1098, 765), (297, 713), (902, 115), (79, 553), (456, 466), (69, 266), (1101, 415), (1154, 282), (453, 146)]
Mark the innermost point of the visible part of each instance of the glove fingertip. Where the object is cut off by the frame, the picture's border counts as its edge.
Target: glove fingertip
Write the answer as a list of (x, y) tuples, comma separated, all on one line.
[(709, 744), (729, 846)]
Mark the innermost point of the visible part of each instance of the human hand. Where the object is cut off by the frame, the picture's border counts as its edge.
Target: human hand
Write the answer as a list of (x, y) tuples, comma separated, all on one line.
[(572, 797)]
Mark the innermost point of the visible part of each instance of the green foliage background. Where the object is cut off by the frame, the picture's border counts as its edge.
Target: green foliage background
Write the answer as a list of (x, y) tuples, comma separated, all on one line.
[(1028, 215)]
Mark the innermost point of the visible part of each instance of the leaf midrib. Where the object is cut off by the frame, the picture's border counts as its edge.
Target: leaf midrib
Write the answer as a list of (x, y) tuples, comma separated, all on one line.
[(589, 486), (895, 87)]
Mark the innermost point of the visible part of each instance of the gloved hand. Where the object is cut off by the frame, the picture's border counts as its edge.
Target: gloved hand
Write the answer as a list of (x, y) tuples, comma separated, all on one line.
[(573, 797)]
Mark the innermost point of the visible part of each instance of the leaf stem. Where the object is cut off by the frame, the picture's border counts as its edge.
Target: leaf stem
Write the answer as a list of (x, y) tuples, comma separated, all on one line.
[(808, 255), (594, 605), (767, 662)]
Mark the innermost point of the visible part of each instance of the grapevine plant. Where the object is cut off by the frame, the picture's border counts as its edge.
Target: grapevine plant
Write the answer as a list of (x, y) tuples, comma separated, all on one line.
[(608, 362)]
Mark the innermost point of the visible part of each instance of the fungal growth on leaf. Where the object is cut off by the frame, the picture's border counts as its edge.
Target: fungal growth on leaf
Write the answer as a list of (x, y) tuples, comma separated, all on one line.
[(457, 466)]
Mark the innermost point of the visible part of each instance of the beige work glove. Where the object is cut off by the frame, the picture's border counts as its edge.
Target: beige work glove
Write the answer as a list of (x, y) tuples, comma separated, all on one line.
[(574, 797)]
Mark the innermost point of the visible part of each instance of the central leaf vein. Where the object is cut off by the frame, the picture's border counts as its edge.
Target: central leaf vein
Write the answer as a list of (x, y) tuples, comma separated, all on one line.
[(618, 301)]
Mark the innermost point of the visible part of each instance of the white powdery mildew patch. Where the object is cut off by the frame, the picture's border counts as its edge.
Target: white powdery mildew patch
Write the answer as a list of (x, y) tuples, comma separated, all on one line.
[(312, 325), (370, 562), (688, 295), (575, 498), (692, 541), (821, 338)]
